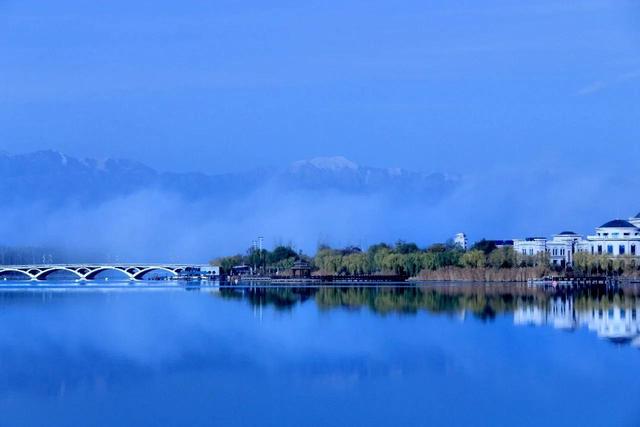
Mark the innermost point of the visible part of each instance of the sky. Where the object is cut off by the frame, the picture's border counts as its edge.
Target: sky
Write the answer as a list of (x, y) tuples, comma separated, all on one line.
[(533, 105), (460, 86)]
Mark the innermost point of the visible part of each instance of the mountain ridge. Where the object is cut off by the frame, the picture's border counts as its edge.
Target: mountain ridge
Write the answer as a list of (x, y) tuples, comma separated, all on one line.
[(54, 177)]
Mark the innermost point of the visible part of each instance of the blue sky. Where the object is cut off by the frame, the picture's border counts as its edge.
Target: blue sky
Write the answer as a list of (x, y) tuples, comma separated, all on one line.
[(456, 86), (534, 105)]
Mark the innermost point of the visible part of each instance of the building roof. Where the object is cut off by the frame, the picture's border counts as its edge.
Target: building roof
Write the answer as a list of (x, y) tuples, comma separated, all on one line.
[(502, 242), (637, 216), (618, 223), (301, 265), (568, 233)]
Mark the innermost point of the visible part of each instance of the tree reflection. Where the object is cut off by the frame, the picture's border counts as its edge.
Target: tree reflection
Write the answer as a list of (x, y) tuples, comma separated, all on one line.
[(485, 302), (613, 315)]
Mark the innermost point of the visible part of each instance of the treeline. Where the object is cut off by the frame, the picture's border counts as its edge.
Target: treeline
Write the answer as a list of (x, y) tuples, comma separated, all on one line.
[(586, 264), (281, 258), (408, 259), (403, 258)]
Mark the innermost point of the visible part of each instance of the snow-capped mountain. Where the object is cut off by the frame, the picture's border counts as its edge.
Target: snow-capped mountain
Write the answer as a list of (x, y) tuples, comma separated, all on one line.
[(53, 177)]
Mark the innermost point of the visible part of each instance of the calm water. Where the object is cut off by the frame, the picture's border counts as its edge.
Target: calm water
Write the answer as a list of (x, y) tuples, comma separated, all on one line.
[(458, 356)]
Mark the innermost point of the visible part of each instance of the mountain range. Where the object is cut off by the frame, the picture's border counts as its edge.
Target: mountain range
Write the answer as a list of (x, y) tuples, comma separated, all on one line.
[(53, 178)]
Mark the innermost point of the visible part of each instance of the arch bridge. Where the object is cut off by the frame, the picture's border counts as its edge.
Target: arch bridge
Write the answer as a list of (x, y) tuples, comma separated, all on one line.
[(87, 272)]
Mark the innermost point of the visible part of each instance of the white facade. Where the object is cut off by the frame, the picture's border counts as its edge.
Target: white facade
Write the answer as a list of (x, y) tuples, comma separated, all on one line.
[(461, 240), (615, 238), (560, 249)]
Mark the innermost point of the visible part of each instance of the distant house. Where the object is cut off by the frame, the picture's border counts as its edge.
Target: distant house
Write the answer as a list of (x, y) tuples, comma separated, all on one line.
[(560, 248), (241, 270), (615, 238), (301, 269), (200, 271), (502, 243), (461, 240)]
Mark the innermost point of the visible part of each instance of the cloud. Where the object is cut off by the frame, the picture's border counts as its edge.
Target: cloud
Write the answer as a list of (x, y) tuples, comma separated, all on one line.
[(600, 85), (592, 88)]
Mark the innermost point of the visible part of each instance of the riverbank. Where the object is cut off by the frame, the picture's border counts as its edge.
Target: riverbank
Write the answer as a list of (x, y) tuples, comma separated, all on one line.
[(481, 274)]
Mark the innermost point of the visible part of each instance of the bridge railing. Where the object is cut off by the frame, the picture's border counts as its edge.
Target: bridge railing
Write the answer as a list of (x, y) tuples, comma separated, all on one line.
[(80, 265)]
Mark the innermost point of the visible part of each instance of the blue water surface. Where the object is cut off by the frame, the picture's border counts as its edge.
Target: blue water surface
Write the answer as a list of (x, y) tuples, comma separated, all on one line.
[(147, 356)]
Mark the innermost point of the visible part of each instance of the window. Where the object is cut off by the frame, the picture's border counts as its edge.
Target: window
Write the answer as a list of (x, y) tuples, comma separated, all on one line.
[(524, 252), (599, 249), (615, 234), (600, 313), (592, 250), (627, 234), (621, 249), (605, 234), (633, 313), (633, 249), (610, 249), (530, 251), (623, 313), (610, 313)]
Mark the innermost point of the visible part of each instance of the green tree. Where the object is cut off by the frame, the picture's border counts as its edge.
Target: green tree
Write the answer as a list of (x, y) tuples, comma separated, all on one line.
[(403, 247), (226, 263), (486, 246), (474, 259), (281, 253), (502, 258)]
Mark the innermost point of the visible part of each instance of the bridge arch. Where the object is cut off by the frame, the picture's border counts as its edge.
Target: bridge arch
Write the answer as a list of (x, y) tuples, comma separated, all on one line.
[(93, 273), (140, 274), (26, 274), (83, 270), (45, 273)]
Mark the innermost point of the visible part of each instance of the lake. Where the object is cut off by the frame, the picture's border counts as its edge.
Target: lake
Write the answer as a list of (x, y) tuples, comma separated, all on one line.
[(484, 355)]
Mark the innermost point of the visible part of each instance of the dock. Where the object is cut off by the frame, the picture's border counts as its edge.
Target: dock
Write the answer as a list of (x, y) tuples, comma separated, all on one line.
[(318, 280), (608, 282)]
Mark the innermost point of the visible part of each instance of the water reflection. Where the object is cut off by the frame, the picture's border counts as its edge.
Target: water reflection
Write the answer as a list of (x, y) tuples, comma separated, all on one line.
[(437, 355), (612, 315)]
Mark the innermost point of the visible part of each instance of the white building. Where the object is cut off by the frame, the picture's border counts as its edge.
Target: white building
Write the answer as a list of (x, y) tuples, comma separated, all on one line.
[(461, 240), (614, 238), (560, 248)]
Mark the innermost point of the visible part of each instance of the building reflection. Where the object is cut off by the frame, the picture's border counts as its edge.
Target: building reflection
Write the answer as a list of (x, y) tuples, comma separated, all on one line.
[(614, 321), (611, 315)]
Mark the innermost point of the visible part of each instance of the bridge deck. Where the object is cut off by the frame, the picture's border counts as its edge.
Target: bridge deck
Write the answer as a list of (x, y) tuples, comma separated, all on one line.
[(90, 271)]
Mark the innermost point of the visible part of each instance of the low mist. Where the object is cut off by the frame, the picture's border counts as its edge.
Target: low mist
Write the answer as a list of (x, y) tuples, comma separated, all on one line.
[(163, 226)]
